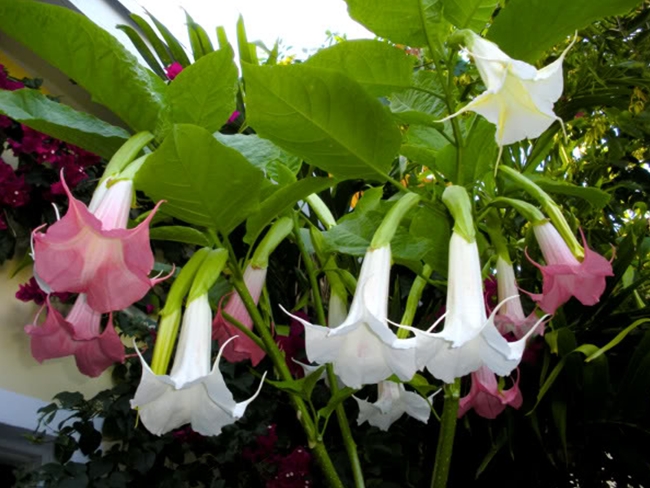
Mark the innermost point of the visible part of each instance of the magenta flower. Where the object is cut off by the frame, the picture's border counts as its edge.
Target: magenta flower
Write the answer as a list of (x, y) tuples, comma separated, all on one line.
[(485, 397), (14, 191), (173, 70), (6, 83), (96, 254), (233, 116), (241, 348), (78, 334), (565, 276)]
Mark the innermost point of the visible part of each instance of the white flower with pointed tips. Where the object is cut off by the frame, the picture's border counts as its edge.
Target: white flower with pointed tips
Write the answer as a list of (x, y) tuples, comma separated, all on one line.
[(393, 401), (192, 393), (363, 350), (519, 98)]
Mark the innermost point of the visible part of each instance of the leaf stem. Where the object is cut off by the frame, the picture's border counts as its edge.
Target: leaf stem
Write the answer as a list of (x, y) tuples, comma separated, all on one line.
[(446, 437), (344, 426), (304, 416)]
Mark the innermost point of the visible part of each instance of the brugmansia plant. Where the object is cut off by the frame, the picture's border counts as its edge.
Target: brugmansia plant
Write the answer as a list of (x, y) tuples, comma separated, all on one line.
[(396, 217)]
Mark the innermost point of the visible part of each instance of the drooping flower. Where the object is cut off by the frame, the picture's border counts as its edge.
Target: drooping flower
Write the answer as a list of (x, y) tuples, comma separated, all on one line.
[(519, 98), (94, 253), (393, 401), (363, 349), (469, 340), (222, 330), (564, 276), (485, 397), (78, 334), (173, 70), (511, 318), (192, 393)]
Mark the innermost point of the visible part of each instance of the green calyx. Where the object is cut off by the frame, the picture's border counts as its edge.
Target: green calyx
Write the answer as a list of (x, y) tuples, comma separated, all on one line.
[(389, 225), (126, 154), (208, 273), (457, 201), (276, 234)]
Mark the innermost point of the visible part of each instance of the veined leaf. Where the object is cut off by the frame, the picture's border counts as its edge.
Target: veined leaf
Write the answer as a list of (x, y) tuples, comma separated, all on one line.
[(377, 66), (178, 233), (322, 116), (261, 152), (199, 40), (158, 45), (143, 49), (423, 103), (247, 50), (204, 93), (526, 29), (204, 182), (35, 110), (416, 23), (596, 197), (90, 56), (469, 14), (176, 48)]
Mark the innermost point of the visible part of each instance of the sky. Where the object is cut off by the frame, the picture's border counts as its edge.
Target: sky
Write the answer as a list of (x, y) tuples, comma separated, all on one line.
[(301, 24)]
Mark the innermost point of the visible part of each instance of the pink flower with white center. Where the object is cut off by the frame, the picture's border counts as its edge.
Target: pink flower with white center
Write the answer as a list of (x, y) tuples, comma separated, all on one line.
[(485, 397), (243, 347), (94, 253), (511, 318), (565, 276), (78, 334)]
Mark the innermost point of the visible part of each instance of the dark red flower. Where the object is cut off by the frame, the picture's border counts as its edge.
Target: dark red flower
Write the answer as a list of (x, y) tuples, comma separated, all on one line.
[(14, 192), (3, 223), (5, 122), (293, 344), (8, 84), (30, 291), (293, 470)]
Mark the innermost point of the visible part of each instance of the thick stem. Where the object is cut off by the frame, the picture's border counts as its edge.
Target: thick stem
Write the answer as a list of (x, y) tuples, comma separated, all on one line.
[(446, 437), (274, 353), (344, 426)]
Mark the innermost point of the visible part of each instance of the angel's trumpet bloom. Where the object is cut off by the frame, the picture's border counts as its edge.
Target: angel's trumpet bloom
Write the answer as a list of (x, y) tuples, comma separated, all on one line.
[(565, 276), (393, 401), (94, 253), (485, 397), (192, 393), (78, 334), (363, 349), (519, 98)]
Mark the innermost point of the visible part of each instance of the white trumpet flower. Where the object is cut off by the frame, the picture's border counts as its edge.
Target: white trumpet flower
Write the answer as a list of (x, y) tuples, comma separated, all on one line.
[(363, 349), (192, 393)]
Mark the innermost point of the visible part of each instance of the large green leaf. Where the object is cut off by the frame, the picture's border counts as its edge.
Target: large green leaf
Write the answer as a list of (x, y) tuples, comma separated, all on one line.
[(416, 23), (322, 116), (424, 103), (377, 66), (434, 225), (525, 29), (204, 182), (90, 56), (35, 110), (158, 45), (596, 197), (261, 152), (204, 93), (422, 144), (143, 49), (469, 14)]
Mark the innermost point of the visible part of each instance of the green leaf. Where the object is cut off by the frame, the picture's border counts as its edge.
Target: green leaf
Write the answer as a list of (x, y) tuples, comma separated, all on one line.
[(596, 197), (377, 66), (422, 144), (423, 104), (280, 201), (289, 386), (412, 22), (178, 233), (35, 110), (204, 182), (204, 93), (199, 40), (526, 29), (90, 56), (334, 401), (616, 340), (158, 45), (469, 14), (177, 50), (143, 49), (261, 152), (322, 116), (247, 50), (435, 226), (310, 381)]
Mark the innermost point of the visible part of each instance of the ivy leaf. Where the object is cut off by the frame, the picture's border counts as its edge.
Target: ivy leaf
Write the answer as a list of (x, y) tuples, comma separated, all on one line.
[(322, 116), (469, 14), (35, 110), (525, 29), (377, 66), (204, 93), (411, 22), (90, 56), (204, 182)]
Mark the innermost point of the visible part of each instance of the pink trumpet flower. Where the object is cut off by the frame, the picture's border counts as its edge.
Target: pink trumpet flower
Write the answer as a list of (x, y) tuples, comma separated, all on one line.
[(565, 276), (486, 399), (243, 348), (78, 334), (94, 253)]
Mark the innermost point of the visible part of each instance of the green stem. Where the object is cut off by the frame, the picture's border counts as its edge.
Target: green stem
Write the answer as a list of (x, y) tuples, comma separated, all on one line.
[(446, 437), (344, 426), (415, 294), (274, 353), (244, 330)]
